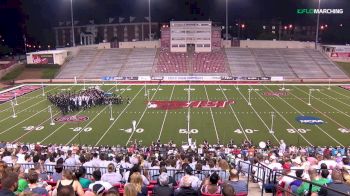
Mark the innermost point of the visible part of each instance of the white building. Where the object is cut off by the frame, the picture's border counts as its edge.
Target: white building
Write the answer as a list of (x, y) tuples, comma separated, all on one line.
[(47, 57)]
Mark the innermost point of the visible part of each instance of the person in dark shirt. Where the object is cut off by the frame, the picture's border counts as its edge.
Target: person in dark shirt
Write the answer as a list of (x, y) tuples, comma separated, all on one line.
[(9, 184), (186, 189), (163, 189), (337, 184)]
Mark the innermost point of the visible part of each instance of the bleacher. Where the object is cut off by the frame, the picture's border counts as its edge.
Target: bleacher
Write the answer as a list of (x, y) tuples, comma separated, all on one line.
[(242, 62), (171, 62), (212, 63), (139, 63)]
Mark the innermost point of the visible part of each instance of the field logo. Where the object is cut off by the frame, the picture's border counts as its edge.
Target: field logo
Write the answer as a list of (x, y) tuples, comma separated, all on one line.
[(276, 94), (71, 119), (310, 120), (173, 105)]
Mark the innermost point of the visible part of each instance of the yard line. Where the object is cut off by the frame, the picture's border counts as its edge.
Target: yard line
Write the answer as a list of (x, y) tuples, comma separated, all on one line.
[(347, 96), (166, 113), (28, 99), (118, 117), (234, 113), (335, 99), (57, 129), (304, 115), (138, 122), (212, 117), (36, 126), (323, 102), (268, 128), (282, 117), (23, 121)]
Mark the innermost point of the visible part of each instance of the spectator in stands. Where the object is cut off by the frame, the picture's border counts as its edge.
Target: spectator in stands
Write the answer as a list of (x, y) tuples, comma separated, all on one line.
[(65, 191), (185, 187), (228, 190), (171, 180), (22, 181), (97, 180), (136, 180), (337, 184), (70, 160), (68, 182), (239, 186), (286, 180), (327, 159), (296, 183), (135, 168), (195, 182), (57, 175), (112, 176), (163, 188), (80, 175), (211, 185), (9, 184), (315, 179), (130, 190), (34, 185)]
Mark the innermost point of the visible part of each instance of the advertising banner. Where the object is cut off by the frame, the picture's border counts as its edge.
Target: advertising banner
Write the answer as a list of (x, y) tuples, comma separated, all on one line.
[(43, 59), (340, 54)]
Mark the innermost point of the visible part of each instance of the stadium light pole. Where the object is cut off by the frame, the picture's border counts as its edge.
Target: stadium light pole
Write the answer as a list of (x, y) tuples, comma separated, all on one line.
[(149, 21), (318, 24), (72, 21), (226, 20)]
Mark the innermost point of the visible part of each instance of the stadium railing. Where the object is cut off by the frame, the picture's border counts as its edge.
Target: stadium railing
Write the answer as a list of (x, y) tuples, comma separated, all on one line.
[(256, 173)]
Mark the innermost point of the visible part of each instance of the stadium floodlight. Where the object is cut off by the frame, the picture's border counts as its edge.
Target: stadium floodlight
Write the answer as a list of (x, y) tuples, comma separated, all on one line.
[(111, 111), (16, 99), (50, 110), (13, 110), (72, 21), (317, 23), (42, 86), (272, 117)]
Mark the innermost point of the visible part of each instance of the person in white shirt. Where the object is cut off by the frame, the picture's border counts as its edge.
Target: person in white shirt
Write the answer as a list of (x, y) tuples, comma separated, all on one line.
[(70, 161), (195, 181), (112, 176), (97, 180), (282, 148)]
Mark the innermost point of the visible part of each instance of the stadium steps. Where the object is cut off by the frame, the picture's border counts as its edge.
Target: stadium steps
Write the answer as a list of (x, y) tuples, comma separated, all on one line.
[(253, 188), (257, 62), (316, 62), (121, 70), (190, 53), (92, 64), (289, 66), (227, 64)]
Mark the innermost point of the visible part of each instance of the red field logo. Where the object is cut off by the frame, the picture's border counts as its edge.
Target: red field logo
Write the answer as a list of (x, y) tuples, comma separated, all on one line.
[(71, 119), (276, 94), (173, 105)]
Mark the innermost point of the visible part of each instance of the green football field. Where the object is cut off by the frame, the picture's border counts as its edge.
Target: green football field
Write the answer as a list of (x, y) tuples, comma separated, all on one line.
[(200, 116)]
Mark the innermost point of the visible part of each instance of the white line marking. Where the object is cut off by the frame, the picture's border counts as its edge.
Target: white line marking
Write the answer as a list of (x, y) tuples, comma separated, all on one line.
[(212, 117), (283, 118), (118, 117), (234, 113), (166, 113), (138, 122)]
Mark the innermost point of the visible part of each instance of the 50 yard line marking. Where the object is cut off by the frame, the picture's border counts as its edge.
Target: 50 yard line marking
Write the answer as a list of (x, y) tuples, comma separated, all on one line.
[(234, 113), (304, 115), (268, 129), (138, 122), (166, 113), (212, 117), (58, 128), (282, 116), (105, 133)]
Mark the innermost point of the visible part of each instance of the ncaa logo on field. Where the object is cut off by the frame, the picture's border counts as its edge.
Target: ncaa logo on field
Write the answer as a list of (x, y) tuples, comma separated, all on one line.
[(310, 120), (71, 119)]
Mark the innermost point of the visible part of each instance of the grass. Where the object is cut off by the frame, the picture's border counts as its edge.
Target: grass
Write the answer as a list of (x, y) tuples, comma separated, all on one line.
[(49, 73), (13, 74), (237, 121), (345, 67)]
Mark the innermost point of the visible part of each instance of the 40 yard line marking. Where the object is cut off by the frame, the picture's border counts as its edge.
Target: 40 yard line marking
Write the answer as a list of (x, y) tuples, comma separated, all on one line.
[(282, 117), (304, 115), (166, 113), (212, 117), (234, 113), (138, 122), (105, 133), (58, 128), (268, 129), (27, 99)]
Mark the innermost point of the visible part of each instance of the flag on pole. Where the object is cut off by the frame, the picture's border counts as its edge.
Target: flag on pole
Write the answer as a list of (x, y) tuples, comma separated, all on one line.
[(111, 20), (131, 18), (121, 19)]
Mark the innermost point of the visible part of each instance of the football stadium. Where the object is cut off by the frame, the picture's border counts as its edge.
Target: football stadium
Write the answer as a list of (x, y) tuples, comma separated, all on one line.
[(209, 98)]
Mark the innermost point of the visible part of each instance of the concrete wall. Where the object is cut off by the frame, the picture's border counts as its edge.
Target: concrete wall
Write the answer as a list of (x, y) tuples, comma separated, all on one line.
[(3, 72), (105, 45), (275, 44), (226, 43), (140, 44)]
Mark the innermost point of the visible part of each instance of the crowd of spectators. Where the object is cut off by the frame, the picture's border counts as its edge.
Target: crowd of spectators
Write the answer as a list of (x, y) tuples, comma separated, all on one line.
[(165, 169)]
